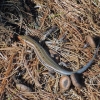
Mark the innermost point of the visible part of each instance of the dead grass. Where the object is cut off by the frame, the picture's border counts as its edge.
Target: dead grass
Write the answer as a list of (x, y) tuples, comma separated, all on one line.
[(18, 62)]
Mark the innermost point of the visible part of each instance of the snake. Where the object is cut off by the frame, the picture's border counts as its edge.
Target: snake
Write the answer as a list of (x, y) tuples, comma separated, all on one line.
[(47, 61)]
